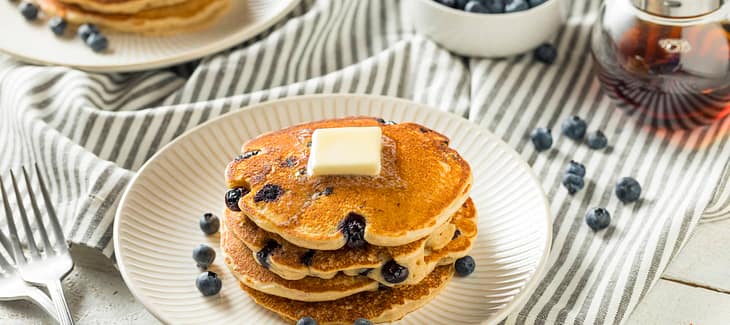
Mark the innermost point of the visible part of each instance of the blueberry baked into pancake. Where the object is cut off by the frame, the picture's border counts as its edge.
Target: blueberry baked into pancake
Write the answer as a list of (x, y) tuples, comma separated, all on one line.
[(328, 215)]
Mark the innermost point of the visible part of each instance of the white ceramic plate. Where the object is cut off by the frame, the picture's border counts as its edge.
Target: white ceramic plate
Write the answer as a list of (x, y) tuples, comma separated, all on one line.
[(130, 52), (156, 225)]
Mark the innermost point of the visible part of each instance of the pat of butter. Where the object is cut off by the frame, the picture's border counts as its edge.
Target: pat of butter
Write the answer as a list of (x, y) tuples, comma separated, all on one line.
[(345, 151)]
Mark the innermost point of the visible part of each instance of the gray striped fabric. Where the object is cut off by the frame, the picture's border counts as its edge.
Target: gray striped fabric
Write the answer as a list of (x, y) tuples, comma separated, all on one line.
[(90, 132)]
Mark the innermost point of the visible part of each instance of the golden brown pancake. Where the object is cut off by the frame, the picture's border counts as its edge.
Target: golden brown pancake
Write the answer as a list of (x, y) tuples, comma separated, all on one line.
[(243, 265), (383, 305), (121, 6), (422, 183), (420, 257), (184, 16)]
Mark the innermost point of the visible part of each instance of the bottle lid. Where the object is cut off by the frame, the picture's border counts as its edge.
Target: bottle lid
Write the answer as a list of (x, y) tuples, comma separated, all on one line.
[(679, 8)]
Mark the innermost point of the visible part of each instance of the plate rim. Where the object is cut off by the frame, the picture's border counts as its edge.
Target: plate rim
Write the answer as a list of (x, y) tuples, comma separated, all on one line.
[(197, 53), (516, 303)]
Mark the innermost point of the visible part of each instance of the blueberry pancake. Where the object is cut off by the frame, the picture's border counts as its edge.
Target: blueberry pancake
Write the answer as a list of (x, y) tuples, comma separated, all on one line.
[(242, 264), (379, 306), (422, 183), (419, 258), (183, 16), (121, 6)]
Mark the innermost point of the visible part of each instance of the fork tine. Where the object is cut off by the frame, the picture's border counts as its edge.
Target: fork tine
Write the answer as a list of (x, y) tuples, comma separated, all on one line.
[(60, 238), (17, 251), (24, 219), (5, 241), (37, 213), (4, 264)]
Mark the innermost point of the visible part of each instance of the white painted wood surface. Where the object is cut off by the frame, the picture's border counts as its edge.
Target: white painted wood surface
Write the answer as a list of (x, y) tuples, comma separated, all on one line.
[(695, 289)]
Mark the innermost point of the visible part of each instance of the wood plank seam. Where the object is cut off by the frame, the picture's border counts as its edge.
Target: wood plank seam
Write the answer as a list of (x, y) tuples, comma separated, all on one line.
[(695, 285)]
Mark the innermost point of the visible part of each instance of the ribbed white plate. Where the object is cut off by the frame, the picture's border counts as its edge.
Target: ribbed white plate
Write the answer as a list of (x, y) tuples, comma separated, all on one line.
[(156, 226), (34, 42)]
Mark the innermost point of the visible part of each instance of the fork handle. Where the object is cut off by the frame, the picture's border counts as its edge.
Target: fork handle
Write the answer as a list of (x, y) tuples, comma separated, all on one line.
[(59, 300), (37, 296)]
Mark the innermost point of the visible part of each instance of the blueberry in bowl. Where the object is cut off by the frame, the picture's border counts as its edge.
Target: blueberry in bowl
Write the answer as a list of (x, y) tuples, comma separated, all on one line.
[(505, 27)]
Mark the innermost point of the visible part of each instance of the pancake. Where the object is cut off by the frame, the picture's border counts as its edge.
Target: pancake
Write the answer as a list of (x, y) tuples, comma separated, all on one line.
[(184, 16), (383, 305), (121, 6), (420, 257), (242, 264), (422, 183)]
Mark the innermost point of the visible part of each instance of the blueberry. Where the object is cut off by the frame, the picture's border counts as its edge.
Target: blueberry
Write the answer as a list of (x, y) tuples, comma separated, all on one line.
[(573, 183), (353, 229), (542, 139), (306, 258), (85, 30), (576, 168), (268, 193), (208, 283), (97, 42), (546, 53), (58, 25), (247, 154), (574, 127), (394, 273), (457, 233), (362, 321), (209, 223), (232, 197), (494, 6), (628, 190), (465, 266), (204, 256), (263, 255), (476, 7), (448, 3), (461, 4), (535, 3), (598, 218), (515, 5), (597, 140), (29, 10), (306, 320)]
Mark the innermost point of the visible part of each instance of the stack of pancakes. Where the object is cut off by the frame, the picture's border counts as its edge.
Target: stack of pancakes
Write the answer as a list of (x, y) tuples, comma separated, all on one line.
[(338, 248), (139, 16)]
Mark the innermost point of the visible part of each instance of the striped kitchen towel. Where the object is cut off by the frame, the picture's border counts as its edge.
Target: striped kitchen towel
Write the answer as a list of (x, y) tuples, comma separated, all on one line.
[(90, 132)]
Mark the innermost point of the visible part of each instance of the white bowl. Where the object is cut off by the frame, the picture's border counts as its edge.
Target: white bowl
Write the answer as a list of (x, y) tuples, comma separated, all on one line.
[(486, 35)]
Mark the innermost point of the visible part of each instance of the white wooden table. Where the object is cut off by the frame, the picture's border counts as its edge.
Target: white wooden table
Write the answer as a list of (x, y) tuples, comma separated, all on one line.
[(695, 289)]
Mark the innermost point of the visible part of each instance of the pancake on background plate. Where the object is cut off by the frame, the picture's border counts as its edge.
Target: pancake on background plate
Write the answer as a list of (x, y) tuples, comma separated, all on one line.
[(121, 6)]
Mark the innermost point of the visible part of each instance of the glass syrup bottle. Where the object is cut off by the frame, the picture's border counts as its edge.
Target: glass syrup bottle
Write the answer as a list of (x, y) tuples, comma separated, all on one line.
[(665, 61)]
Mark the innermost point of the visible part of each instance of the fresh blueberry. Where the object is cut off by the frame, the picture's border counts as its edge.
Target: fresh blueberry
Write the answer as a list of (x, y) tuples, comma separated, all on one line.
[(268, 193), (542, 139), (209, 223), (448, 3), (208, 283), (29, 10), (58, 25), (475, 6), (546, 53), (353, 229), (204, 256), (576, 168), (232, 197), (97, 42), (628, 190), (263, 255), (85, 30), (598, 218), (535, 3), (465, 266), (394, 272), (494, 6), (515, 5), (461, 4), (574, 127), (573, 183), (597, 140), (306, 320), (362, 321), (306, 258)]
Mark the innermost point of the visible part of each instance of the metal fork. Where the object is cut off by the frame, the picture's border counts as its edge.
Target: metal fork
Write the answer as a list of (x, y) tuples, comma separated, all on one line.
[(12, 286), (44, 268)]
